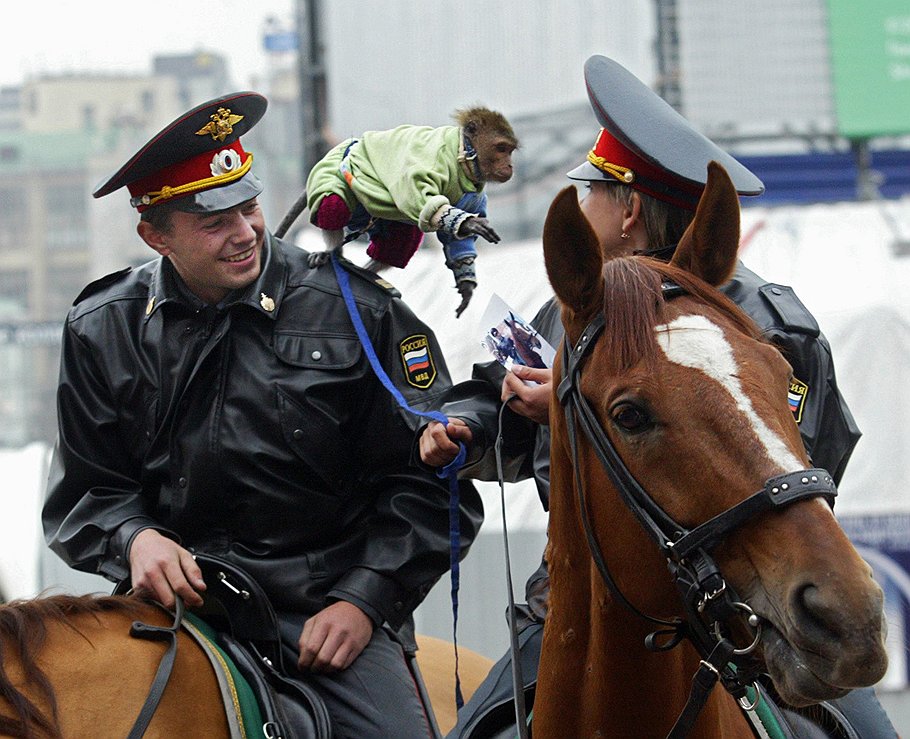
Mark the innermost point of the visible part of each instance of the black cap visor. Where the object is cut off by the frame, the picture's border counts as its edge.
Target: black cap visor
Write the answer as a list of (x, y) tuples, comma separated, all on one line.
[(220, 198), (589, 173)]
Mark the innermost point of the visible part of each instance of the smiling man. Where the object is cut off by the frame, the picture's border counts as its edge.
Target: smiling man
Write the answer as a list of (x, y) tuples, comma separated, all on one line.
[(217, 400), (213, 253)]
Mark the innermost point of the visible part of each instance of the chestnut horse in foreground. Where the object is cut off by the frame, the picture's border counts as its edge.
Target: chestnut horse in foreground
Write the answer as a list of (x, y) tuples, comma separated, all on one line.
[(669, 412), (69, 669)]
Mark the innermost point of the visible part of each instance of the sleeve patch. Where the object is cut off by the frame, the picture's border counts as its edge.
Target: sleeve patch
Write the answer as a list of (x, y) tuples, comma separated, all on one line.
[(417, 360), (796, 397)]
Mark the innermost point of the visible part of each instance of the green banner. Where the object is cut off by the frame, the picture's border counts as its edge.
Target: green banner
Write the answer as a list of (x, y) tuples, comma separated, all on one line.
[(870, 60)]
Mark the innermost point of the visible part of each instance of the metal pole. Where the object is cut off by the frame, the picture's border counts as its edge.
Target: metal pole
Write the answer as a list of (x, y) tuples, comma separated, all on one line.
[(867, 179), (667, 43), (311, 78)]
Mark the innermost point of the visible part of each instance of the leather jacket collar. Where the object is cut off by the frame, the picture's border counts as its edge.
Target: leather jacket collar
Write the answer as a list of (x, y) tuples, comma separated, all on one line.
[(264, 294)]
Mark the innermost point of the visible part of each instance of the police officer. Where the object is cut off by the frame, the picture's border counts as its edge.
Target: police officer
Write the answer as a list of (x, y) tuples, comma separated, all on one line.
[(217, 400), (643, 176)]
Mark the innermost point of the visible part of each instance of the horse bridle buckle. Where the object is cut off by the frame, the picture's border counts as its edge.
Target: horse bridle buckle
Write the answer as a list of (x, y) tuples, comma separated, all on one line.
[(711, 596)]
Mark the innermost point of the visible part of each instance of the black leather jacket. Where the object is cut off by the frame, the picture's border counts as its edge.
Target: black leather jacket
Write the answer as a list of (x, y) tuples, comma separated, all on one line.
[(254, 430), (825, 422)]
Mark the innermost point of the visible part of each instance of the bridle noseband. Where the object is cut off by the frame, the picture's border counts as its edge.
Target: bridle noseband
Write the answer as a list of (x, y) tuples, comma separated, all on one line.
[(709, 602)]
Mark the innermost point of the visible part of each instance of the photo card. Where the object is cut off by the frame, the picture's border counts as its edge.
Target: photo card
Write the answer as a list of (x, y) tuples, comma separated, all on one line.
[(512, 340)]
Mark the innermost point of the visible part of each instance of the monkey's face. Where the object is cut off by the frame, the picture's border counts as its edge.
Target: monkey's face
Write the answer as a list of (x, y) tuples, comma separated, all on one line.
[(494, 156)]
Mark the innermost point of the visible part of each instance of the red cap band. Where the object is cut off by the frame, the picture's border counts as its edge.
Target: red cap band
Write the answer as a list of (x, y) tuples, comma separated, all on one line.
[(611, 157), (201, 172)]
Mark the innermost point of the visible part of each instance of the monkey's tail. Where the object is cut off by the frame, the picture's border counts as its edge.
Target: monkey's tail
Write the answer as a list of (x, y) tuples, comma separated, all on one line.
[(296, 209)]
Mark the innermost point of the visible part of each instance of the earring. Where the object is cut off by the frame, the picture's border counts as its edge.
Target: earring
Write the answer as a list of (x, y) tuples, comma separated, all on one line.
[(624, 235)]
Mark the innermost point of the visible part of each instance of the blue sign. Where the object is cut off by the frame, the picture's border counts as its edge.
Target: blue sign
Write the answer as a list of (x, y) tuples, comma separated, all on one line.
[(884, 542), (280, 41)]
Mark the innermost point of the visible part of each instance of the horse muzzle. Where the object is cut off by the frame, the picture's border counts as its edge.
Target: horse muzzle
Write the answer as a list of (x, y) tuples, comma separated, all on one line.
[(829, 645)]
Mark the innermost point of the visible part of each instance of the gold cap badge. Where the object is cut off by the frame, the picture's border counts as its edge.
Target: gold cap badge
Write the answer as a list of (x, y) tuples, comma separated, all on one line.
[(221, 125)]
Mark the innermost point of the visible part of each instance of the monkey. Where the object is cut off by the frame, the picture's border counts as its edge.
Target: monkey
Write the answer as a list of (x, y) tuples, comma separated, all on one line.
[(403, 182)]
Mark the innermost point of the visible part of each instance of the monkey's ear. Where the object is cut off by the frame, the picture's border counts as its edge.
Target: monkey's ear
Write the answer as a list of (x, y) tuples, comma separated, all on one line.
[(470, 127)]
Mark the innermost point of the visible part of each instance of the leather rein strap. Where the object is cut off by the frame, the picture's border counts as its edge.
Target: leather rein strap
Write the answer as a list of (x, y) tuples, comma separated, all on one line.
[(140, 630), (708, 601)]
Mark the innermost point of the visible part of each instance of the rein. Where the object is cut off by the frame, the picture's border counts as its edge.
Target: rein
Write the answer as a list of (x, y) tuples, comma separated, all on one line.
[(521, 711), (449, 472), (708, 601), (140, 630)]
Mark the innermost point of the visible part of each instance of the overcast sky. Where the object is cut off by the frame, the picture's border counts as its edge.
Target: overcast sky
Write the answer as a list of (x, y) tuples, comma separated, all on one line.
[(117, 36)]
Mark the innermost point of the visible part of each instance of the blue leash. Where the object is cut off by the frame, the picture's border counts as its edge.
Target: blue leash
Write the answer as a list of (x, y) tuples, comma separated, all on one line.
[(449, 472)]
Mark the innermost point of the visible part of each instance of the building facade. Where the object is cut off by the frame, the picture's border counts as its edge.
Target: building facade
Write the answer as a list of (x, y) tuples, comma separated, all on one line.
[(59, 136)]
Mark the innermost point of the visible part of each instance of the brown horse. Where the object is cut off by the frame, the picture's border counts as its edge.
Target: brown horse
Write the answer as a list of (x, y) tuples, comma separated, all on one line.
[(70, 669), (526, 343), (693, 402)]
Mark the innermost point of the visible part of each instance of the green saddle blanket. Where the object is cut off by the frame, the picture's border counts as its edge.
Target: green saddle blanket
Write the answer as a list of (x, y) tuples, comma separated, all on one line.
[(241, 706)]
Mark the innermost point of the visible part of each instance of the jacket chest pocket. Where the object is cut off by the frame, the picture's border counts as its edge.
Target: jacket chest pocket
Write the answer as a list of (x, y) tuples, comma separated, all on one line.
[(318, 400), (317, 351)]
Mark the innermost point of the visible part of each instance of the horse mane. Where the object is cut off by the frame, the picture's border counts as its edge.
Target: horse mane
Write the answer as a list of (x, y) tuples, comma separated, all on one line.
[(23, 631), (634, 303)]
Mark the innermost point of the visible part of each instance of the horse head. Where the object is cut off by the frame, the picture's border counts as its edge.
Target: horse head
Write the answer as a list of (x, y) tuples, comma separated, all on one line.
[(694, 402)]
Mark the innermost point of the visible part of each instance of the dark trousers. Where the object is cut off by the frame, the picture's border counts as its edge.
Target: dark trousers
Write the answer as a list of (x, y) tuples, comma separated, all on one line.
[(375, 697), (492, 706)]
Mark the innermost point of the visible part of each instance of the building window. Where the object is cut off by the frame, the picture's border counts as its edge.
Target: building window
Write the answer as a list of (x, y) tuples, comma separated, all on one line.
[(13, 293), (89, 117), (13, 218), (66, 217)]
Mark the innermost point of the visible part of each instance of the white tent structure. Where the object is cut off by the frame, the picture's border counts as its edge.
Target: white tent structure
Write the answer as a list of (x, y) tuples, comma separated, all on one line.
[(23, 472)]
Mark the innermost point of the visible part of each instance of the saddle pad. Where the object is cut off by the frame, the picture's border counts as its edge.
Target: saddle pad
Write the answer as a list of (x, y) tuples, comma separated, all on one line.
[(244, 717), (762, 718)]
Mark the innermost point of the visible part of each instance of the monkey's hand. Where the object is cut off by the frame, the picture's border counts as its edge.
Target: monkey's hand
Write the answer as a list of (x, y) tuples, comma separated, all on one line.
[(466, 289), (465, 280), (479, 226)]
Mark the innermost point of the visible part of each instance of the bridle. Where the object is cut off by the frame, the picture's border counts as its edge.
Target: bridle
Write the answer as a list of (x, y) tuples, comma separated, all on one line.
[(709, 603)]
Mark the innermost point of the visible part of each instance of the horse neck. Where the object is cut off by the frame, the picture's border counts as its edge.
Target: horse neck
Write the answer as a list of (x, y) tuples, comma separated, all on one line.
[(595, 670)]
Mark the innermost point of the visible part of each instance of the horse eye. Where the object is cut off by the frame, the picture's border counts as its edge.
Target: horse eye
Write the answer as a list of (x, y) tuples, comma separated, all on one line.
[(631, 418)]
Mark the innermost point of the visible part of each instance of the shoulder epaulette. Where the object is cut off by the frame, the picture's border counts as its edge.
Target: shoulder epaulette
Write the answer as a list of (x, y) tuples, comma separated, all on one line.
[(793, 315), (370, 277), (101, 283)]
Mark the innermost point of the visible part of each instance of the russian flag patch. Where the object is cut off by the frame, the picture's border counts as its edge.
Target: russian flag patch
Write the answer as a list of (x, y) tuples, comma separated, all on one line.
[(419, 369), (796, 397)]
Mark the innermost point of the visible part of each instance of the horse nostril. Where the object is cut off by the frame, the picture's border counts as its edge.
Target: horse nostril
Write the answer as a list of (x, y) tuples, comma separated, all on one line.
[(817, 609)]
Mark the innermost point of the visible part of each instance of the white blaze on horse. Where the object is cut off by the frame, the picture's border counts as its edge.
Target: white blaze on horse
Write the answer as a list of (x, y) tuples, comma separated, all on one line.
[(677, 415)]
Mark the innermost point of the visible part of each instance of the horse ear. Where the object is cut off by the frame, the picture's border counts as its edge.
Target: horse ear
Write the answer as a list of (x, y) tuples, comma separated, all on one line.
[(708, 247), (572, 253)]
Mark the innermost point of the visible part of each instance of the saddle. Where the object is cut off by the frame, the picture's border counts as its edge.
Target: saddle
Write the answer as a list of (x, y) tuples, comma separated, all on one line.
[(246, 629)]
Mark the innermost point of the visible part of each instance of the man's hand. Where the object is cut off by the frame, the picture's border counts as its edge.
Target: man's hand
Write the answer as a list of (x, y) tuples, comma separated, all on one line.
[(439, 444), (333, 638), (479, 227), (161, 568), (531, 401)]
